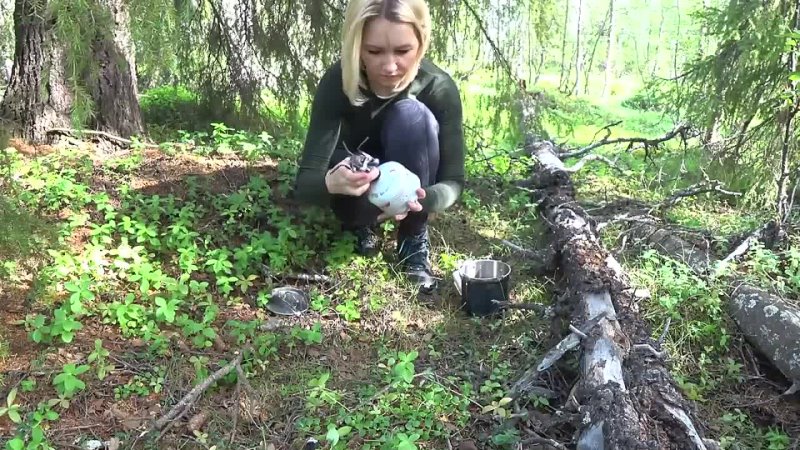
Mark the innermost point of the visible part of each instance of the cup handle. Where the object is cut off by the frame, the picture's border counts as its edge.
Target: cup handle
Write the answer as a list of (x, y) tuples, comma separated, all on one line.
[(457, 281)]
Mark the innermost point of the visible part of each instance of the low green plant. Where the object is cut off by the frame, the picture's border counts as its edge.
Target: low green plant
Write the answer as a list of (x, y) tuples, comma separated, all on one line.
[(11, 409), (68, 382)]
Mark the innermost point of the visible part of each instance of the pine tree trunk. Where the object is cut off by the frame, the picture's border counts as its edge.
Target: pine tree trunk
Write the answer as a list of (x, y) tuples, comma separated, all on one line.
[(37, 97), (114, 90)]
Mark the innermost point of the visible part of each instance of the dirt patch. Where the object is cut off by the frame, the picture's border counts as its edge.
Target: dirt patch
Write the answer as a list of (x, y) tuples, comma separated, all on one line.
[(162, 174), (13, 308), (29, 150)]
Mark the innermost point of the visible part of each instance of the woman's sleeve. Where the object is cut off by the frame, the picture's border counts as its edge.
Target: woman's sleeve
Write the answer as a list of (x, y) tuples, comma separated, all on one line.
[(446, 107), (321, 139)]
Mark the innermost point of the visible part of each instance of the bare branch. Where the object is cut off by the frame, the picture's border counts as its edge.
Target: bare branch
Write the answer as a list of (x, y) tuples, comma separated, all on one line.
[(742, 248), (309, 277), (664, 333), (680, 130), (696, 189), (119, 140), (650, 349), (183, 406)]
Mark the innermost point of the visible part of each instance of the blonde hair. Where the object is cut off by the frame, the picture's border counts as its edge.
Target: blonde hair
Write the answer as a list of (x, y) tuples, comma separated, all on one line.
[(413, 12)]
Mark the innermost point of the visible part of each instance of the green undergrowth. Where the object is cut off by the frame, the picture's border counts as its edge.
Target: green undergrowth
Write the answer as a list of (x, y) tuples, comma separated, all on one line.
[(175, 266), (157, 266), (703, 346)]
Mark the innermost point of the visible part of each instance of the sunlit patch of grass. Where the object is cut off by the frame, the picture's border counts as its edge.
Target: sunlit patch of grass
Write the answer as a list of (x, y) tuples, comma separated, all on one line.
[(22, 233), (713, 217), (698, 335)]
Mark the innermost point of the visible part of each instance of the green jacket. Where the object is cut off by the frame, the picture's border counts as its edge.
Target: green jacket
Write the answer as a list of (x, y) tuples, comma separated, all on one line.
[(334, 121)]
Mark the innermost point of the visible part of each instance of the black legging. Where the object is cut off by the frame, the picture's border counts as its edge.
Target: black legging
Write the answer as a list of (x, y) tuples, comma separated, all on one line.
[(409, 135)]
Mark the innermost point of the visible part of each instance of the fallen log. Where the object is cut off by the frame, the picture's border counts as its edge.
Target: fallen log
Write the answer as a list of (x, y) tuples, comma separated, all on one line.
[(627, 397), (772, 326)]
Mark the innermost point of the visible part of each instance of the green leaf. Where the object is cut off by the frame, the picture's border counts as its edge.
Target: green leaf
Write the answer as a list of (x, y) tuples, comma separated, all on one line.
[(333, 435), (406, 445), (14, 415), (11, 396), (16, 444)]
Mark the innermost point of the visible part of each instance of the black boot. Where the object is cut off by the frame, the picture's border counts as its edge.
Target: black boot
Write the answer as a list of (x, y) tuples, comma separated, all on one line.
[(367, 242), (413, 255)]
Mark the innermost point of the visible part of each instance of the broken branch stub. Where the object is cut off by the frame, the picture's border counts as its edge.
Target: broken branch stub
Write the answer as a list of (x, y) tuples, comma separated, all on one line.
[(628, 399)]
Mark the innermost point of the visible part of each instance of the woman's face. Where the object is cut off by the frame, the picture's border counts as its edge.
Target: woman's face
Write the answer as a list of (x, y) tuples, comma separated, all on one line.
[(388, 51)]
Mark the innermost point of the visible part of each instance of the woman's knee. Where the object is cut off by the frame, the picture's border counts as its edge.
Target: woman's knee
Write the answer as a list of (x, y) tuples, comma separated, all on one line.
[(408, 118)]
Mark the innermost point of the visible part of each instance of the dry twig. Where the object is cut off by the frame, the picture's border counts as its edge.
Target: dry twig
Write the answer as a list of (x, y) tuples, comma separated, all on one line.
[(188, 400)]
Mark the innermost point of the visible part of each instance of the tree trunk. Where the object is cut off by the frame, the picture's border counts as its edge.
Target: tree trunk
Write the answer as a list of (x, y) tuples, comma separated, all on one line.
[(772, 326), (562, 80), (626, 394), (610, 44), (115, 92), (590, 63), (676, 42), (37, 97), (658, 45), (578, 49)]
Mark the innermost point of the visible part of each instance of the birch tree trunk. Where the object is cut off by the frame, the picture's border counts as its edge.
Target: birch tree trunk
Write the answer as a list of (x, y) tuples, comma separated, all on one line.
[(610, 44), (657, 52), (562, 80), (578, 48), (601, 31), (628, 399)]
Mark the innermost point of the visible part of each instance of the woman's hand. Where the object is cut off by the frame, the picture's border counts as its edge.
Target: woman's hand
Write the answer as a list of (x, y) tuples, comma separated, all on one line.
[(412, 206), (342, 180)]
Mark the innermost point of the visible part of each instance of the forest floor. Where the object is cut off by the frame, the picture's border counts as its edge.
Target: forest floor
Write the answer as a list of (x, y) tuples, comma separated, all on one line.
[(129, 278)]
